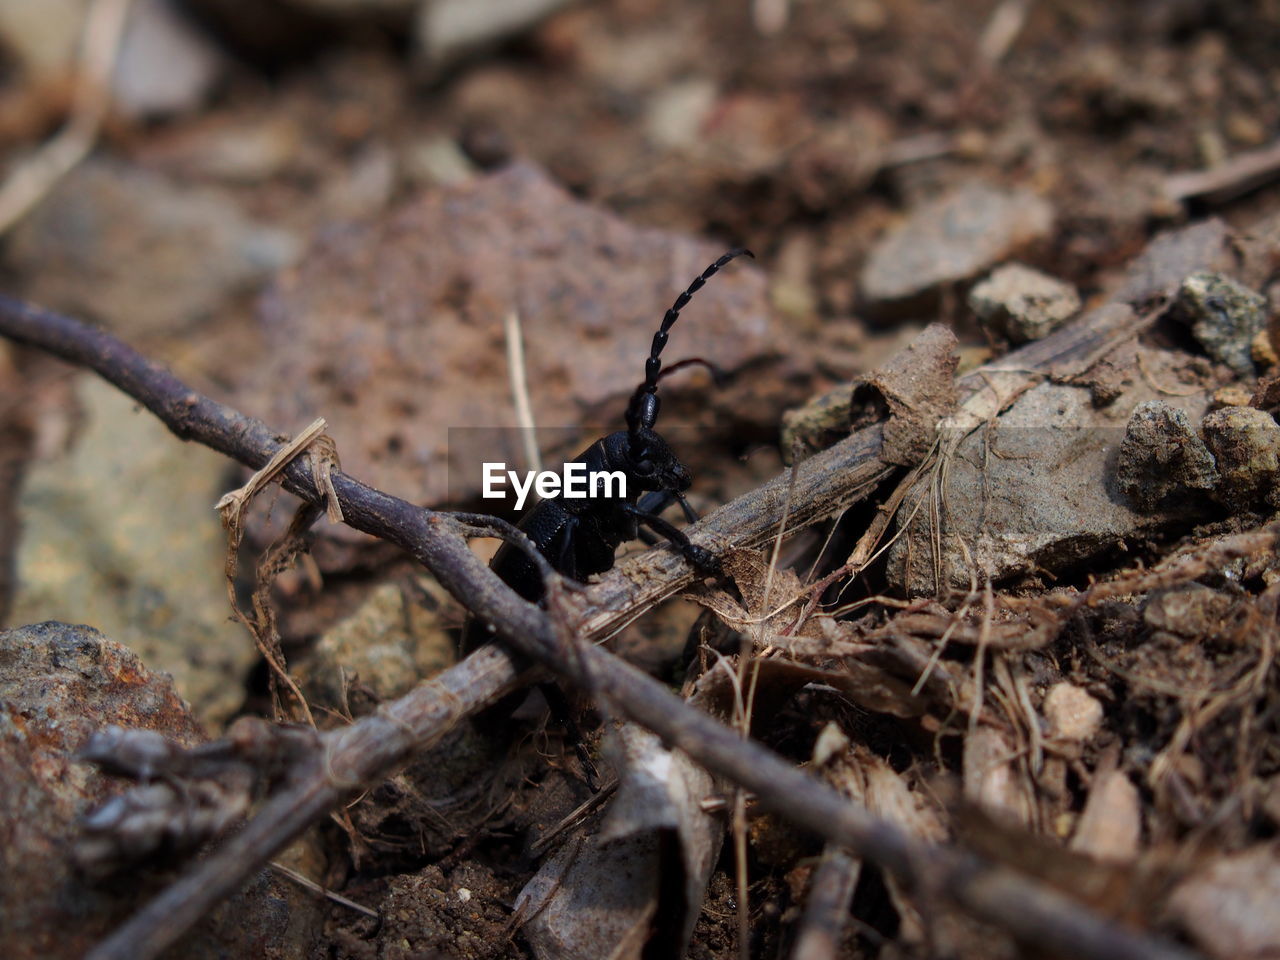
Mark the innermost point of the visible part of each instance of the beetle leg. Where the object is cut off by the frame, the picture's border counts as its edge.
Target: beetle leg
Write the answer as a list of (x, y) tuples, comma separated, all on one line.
[(560, 551), (656, 502), (700, 558), (690, 514), (562, 713)]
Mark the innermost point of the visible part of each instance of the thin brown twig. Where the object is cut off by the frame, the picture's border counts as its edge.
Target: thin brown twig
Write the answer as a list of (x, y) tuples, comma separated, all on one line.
[(827, 909), (366, 751)]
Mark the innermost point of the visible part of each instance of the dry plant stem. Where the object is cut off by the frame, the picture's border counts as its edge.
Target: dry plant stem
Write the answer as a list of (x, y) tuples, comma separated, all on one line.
[(309, 884), (366, 751), (362, 753), (520, 393)]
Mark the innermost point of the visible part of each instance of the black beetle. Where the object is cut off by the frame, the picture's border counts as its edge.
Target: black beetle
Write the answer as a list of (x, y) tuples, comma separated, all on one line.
[(579, 536)]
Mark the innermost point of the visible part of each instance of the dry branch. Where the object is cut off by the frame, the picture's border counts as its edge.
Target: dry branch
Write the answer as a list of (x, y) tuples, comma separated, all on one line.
[(368, 750), (1242, 173)]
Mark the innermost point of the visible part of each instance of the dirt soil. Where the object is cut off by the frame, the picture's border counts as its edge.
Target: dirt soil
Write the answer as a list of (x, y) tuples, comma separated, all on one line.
[(1047, 635)]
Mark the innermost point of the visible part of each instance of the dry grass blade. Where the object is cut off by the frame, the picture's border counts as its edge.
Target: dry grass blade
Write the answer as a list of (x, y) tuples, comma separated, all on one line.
[(520, 392), (232, 504), (261, 624), (31, 182)]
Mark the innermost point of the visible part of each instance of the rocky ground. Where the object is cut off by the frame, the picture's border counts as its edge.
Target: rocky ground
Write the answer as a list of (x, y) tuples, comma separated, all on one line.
[(1045, 633)]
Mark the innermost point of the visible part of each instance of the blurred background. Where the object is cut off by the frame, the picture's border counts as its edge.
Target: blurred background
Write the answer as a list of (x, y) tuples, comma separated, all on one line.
[(353, 209)]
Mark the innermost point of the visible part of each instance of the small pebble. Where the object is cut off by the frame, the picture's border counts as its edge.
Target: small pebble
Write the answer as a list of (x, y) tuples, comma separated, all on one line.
[(1073, 713), (1161, 456), (1225, 316), (1245, 442), (1023, 303)]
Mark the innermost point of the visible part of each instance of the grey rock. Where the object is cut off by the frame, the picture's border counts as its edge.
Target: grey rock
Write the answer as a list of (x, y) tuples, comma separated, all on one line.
[(951, 239), (1162, 457), (1225, 904), (449, 29), (58, 684), (120, 532), (166, 65), (177, 253), (1035, 489), (1023, 303), (1224, 315), (1160, 269)]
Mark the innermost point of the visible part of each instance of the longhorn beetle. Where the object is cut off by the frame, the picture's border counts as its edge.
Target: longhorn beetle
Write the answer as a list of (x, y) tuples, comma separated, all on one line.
[(579, 536)]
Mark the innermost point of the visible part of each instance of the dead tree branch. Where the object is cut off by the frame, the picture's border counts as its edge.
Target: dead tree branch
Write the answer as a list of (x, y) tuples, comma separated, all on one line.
[(370, 749)]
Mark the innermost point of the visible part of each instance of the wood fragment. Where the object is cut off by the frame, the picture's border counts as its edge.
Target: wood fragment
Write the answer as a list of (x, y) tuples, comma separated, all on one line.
[(822, 928), (1239, 175)]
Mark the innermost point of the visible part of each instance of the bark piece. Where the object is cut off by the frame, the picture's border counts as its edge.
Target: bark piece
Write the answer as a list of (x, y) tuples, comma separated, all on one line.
[(916, 387), (638, 884)]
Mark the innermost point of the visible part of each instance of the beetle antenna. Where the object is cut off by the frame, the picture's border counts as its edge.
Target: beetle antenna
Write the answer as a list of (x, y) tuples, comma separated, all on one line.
[(717, 374), (642, 411)]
